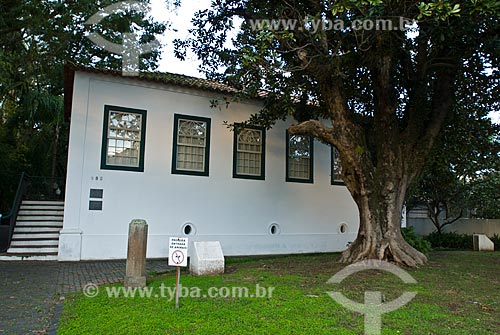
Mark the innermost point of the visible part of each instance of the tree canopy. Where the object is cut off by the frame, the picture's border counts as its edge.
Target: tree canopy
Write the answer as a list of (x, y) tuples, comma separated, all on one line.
[(379, 95), (461, 178)]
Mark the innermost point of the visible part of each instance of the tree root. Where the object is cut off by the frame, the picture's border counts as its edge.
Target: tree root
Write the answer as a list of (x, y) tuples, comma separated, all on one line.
[(395, 250)]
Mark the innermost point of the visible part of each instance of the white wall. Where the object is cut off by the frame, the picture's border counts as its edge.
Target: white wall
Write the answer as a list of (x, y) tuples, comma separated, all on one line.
[(237, 212), (489, 227)]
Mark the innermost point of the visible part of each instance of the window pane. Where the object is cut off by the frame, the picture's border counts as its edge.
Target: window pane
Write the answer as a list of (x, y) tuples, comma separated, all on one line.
[(192, 132), (299, 156), (191, 143), (124, 139), (336, 165), (249, 152)]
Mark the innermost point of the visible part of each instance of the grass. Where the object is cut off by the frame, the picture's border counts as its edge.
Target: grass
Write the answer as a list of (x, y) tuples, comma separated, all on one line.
[(458, 293)]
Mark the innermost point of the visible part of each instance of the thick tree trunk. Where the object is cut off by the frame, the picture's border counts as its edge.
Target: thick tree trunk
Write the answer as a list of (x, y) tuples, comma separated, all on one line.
[(379, 193), (379, 236)]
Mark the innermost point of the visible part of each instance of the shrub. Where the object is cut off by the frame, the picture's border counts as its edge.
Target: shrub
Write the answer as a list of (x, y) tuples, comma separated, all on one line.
[(415, 241), (496, 240), (450, 240)]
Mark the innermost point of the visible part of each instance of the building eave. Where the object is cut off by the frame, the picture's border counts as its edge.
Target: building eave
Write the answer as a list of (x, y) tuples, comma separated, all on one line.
[(154, 77)]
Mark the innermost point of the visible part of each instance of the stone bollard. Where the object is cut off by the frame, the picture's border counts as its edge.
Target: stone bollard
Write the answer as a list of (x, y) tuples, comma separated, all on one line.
[(482, 242), (206, 258), (136, 254)]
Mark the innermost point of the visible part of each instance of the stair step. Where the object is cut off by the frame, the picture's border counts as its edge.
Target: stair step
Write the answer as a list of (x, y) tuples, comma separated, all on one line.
[(48, 256), (39, 224), (34, 243), (24, 235), (40, 213), (32, 250), (34, 236), (41, 207), (39, 218), (36, 230), (43, 202)]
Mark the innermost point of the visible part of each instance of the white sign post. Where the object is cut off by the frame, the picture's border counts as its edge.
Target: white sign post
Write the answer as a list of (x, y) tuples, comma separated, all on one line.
[(177, 256)]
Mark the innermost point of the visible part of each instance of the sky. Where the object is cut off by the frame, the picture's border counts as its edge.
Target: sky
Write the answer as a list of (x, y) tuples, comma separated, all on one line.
[(180, 19)]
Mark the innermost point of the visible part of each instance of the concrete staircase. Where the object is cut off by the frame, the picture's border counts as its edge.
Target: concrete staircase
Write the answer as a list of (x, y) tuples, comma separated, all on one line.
[(36, 235)]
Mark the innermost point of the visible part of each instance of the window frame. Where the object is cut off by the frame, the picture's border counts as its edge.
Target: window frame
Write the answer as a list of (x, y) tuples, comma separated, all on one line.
[(104, 145), (206, 170), (236, 130), (333, 181), (309, 180)]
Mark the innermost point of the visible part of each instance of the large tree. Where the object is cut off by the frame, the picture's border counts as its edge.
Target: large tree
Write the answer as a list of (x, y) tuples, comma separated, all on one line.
[(380, 96)]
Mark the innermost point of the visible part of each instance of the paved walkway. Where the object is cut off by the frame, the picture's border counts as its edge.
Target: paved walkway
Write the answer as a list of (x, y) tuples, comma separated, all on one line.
[(30, 291)]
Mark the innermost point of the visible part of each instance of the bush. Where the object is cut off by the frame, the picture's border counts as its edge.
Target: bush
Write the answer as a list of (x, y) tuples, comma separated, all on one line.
[(496, 240), (450, 240), (416, 241)]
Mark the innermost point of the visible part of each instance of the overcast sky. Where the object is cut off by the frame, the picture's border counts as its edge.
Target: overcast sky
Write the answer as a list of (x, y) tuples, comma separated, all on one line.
[(180, 20)]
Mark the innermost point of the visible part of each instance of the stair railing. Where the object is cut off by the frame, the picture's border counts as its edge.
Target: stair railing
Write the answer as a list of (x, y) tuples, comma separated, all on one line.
[(11, 218)]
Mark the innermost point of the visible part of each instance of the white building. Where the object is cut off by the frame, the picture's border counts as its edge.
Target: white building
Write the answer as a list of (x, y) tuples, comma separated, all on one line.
[(152, 147)]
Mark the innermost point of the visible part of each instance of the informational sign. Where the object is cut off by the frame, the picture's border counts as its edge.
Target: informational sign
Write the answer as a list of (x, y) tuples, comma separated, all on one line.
[(177, 251)]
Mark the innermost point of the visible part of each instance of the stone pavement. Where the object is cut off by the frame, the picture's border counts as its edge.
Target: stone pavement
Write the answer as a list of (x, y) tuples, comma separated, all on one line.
[(30, 291)]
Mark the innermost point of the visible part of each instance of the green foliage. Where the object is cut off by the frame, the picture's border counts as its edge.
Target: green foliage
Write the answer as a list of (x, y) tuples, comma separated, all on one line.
[(450, 240), (440, 10), (418, 242), (36, 49), (462, 172), (496, 241), (457, 241), (485, 195)]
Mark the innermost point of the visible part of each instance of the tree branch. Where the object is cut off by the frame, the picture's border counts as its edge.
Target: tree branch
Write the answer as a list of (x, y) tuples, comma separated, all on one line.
[(442, 101), (315, 128), (453, 220), (419, 142)]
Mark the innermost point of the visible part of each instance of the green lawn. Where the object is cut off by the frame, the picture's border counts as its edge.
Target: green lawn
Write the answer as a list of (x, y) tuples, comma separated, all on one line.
[(458, 293)]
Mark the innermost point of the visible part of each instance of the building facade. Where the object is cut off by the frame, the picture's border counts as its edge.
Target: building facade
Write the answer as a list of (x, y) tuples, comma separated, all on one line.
[(156, 148)]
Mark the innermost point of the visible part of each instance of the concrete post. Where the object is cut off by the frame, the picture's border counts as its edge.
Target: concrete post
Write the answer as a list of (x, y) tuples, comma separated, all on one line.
[(136, 254)]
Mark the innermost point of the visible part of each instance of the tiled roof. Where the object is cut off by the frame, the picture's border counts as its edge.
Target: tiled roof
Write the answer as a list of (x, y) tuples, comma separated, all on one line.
[(157, 77), (165, 78), (181, 80)]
